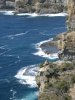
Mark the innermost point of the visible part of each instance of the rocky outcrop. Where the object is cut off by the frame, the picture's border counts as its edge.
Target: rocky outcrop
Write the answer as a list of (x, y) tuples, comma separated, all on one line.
[(55, 79), (66, 44), (71, 17), (41, 6), (2, 3), (10, 4), (7, 4), (37, 6)]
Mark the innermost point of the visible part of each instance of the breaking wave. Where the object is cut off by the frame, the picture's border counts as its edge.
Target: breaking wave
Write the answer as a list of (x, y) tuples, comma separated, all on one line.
[(26, 75), (32, 14), (41, 53), (16, 35), (37, 15), (5, 12)]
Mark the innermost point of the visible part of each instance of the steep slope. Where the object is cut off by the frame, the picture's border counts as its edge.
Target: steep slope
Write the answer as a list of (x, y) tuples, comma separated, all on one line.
[(56, 81)]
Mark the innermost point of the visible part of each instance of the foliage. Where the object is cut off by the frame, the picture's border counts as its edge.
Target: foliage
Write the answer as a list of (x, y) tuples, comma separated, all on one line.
[(62, 86), (41, 65)]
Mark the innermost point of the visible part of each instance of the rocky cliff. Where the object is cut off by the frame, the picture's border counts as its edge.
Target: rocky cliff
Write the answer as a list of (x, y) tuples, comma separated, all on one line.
[(41, 6), (56, 81), (71, 17), (35, 6), (7, 4), (2, 3)]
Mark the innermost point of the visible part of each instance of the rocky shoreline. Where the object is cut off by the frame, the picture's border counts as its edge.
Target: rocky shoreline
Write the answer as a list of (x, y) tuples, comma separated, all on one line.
[(55, 79), (35, 6)]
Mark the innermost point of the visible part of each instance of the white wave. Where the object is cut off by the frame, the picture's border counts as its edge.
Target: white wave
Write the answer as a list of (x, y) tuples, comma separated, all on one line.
[(5, 12), (48, 15), (28, 14), (9, 55), (45, 41), (13, 92), (8, 12), (26, 75), (3, 47), (16, 35), (41, 53), (54, 15)]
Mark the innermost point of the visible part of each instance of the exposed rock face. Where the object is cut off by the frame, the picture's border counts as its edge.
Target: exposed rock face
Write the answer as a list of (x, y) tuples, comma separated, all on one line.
[(37, 6), (41, 6), (71, 17), (2, 3), (66, 44), (54, 80), (10, 4), (7, 4)]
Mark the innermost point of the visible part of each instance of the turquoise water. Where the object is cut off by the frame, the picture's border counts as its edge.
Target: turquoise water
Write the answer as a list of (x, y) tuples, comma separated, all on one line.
[(18, 36)]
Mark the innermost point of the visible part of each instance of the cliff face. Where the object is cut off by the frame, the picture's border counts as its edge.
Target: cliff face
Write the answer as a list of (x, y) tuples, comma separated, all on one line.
[(56, 81), (41, 6), (37, 6), (7, 4), (67, 40), (2, 3), (71, 17)]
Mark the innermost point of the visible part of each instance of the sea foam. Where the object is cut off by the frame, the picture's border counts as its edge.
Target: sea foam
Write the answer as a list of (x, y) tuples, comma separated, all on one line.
[(41, 53), (16, 35), (37, 15), (5, 12), (26, 75)]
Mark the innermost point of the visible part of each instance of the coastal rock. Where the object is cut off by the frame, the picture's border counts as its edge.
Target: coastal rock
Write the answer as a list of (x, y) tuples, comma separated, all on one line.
[(7, 4), (35, 6), (2, 3), (41, 6), (66, 43), (57, 79), (71, 15), (54, 80)]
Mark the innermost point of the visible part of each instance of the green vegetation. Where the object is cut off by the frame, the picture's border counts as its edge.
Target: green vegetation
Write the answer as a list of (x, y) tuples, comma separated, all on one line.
[(57, 80)]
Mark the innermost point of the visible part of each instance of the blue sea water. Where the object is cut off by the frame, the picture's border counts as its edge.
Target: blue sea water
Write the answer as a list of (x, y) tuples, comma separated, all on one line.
[(18, 35)]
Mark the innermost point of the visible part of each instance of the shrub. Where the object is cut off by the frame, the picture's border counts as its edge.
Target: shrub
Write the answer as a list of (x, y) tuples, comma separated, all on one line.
[(73, 79), (41, 65), (67, 97), (62, 86), (66, 66)]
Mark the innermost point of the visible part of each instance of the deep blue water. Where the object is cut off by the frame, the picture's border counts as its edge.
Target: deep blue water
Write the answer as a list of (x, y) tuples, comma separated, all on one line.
[(18, 34)]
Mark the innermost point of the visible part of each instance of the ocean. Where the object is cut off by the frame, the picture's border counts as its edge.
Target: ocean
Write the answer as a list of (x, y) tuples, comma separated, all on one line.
[(20, 37)]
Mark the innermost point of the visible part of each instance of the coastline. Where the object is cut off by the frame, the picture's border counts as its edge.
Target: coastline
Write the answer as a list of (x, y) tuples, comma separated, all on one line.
[(13, 12), (44, 52)]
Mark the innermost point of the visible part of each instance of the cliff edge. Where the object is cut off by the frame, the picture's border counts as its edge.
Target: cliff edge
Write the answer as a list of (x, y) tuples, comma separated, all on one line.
[(56, 80)]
